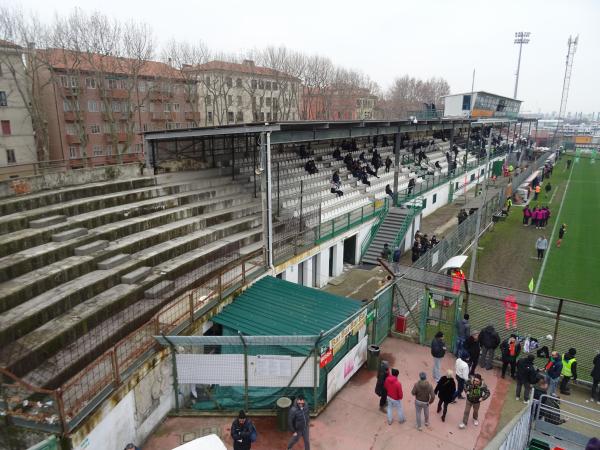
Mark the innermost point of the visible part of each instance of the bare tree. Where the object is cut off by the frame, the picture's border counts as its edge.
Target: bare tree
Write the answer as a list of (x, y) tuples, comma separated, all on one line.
[(409, 94)]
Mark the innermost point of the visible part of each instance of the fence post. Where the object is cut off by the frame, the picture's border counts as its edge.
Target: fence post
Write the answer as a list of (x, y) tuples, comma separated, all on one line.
[(246, 404), (243, 272), (315, 372), (115, 365), (191, 304), (220, 286), (58, 397), (556, 321)]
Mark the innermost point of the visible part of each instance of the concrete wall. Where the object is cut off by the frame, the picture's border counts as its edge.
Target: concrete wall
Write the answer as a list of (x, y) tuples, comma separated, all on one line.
[(133, 412), (57, 180)]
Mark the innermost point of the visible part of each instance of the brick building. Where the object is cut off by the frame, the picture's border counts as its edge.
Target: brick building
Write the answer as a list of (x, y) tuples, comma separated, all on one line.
[(237, 93), (17, 146), (98, 105), (339, 103)]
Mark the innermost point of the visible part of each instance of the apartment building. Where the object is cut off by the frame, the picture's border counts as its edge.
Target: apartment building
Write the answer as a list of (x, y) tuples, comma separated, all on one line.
[(97, 106), (338, 103), (17, 146), (232, 93)]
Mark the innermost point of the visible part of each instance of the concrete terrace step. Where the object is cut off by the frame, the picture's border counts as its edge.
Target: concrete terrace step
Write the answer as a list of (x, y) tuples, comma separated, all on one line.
[(138, 274), (114, 261), (47, 221), (27, 238), (175, 222), (69, 234), (175, 255), (92, 247), (18, 221), (47, 198)]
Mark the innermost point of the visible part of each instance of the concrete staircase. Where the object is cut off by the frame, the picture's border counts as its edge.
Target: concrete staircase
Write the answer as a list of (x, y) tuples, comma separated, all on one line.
[(386, 234)]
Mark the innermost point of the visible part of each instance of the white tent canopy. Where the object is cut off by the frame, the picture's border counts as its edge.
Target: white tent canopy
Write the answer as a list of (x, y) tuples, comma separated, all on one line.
[(455, 262), (210, 442)]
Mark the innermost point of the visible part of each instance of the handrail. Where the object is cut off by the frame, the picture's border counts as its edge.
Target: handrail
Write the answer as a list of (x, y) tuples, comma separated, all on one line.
[(414, 210), (374, 229)]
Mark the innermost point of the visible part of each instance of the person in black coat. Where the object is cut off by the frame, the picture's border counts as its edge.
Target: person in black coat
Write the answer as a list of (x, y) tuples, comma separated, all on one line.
[(526, 376), (473, 347), (445, 389), (384, 371), (337, 154), (596, 379), (510, 349), (388, 164), (241, 431), (490, 340)]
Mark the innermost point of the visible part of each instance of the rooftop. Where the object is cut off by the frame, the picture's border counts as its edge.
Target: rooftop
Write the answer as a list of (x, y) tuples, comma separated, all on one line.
[(247, 67), (483, 92)]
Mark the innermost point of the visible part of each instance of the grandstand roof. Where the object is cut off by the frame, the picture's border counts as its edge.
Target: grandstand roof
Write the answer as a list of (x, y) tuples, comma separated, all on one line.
[(273, 307)]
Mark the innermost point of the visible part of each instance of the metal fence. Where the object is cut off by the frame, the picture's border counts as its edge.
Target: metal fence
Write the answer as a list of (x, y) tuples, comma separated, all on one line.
[(61, 409), (515, 435)]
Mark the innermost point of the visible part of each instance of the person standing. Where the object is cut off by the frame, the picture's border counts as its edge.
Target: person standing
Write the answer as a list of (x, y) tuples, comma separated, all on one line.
[(438, 350), (241, 432), (541, 245), (462, 374), (526, 376), (298, 421), (464, 331), (393, 388), (445, 390), (490, 340), (473, 347), (526, 215), (424, 396), (534, 217), (569, 370), (595, 379), (510, 311), (477, 392), (386, 253), (510, 349), (553, 370), (384, 371), (561, 233)]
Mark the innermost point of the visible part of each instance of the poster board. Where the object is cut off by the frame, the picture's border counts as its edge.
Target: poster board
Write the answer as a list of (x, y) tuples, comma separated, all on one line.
[(349, 364)]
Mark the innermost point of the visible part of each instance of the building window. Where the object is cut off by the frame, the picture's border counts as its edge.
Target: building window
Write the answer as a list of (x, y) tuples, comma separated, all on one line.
[(176, 107), (434, 199), (3, 100), (239, 116), (138, 148), (115, 106), (230, 116), (111, 83), (73, 152), (466, 106), (268, 117), (92, 106), (71, 129), (261, 84), (209, 116), (238, 82), (229, 81), (268, 101), (95, 128), (145, 127), (262, 116), (275, 104), (90, 83), (261, 102), (268, 85), (230, 99), (254, 84), (97, 150), (208, 100), (11, 158), (207, 80), (5, 127), (109, 150), (64, 81), (274, 86)]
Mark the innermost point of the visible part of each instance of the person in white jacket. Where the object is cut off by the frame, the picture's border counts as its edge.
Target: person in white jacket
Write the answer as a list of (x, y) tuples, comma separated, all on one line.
[(461, 368)]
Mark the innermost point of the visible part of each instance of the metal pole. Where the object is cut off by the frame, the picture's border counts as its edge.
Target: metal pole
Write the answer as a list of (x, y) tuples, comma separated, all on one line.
[(396, 163), (478, 224), (233, 157), (518, 69), (269, 201), (246, 403), (278, 192), (253, 163)]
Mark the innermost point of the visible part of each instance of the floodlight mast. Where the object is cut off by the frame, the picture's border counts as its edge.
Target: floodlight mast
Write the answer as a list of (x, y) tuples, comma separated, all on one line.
[(521, 37)]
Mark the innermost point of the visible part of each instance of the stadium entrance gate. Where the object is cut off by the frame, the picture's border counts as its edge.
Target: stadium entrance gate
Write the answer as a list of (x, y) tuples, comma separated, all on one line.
[(440, 311)]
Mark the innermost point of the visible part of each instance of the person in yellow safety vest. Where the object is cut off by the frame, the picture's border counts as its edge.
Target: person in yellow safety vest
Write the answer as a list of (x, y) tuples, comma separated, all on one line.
[(569, 370), (537, 192)]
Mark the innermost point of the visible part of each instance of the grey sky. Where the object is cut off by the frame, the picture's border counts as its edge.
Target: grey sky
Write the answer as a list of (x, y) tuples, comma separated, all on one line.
[(423, 38)]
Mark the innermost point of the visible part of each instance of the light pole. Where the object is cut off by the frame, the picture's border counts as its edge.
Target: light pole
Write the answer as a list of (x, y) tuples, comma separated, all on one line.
[(521, 37)]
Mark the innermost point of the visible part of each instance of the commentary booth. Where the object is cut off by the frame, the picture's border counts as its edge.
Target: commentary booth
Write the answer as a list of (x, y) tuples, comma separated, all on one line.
[(276, 339)]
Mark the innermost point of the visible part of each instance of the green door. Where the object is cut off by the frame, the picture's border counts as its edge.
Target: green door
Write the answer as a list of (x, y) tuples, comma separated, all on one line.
[(439, 312)]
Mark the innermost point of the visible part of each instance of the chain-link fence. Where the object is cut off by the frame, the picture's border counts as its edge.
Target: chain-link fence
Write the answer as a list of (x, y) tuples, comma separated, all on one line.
[(558, 324)]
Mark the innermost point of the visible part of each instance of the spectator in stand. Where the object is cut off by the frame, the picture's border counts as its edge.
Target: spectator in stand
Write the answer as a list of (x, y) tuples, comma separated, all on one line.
[(445, 390), (448, 158), (490, 340), (362, 157), (348, 161), (416, 250), (437, 165), (337, 155), (462, 373), (526, 376), (363, 177), (553, 370), (510, 349), (595, 379), (569, 370), (477, 392), (455, 150), (335, 188), (438, 350), (464, 331), (384, 372), (370, 170), (393, 388), (541, 245), (424, 396), (526, 215), (434, 241), (411, 185), (388, 164), (311, 167), (388, 191)]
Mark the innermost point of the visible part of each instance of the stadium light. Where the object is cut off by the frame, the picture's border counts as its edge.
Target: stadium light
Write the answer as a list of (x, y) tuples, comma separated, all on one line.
[(521, 37)]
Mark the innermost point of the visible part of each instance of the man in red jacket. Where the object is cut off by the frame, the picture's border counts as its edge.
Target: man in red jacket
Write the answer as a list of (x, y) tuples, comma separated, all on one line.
[(394, 396)]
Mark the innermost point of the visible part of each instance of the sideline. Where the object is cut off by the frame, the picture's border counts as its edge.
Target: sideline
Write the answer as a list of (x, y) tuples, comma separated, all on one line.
[(550, 241)]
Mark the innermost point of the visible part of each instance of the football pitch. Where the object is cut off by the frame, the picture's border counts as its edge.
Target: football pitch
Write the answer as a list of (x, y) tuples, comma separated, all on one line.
[(573, 270)]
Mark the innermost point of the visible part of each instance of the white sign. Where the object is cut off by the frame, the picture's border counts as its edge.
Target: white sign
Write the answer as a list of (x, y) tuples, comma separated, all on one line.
[(341, 373), (278, 366)]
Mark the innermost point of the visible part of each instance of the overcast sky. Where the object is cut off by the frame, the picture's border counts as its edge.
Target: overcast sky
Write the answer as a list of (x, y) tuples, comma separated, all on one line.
[(422, 38)]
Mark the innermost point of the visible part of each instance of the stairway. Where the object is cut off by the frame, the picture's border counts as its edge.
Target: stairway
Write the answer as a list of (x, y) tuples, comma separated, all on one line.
[(386, 234)]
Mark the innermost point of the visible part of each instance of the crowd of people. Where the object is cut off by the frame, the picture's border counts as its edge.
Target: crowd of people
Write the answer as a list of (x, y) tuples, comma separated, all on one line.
[(422, 244)]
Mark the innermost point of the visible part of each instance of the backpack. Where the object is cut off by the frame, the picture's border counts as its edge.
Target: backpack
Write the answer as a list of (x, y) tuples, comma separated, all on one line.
[(253, 434)]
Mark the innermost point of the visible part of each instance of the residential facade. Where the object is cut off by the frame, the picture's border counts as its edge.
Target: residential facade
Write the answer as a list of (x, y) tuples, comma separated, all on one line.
[(231, 93), (97, 106), (339, 103), (18, 153)]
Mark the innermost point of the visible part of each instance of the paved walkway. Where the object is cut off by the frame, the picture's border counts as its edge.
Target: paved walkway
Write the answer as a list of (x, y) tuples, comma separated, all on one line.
[(352, 421)]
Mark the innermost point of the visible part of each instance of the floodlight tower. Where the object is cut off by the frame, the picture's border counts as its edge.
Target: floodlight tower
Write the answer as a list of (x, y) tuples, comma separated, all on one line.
[(521, 37), (572, 47)]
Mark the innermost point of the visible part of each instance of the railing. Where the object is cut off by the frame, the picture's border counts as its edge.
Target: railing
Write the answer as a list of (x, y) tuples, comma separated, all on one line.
[(338, 225), (374, 229), (414, 211), (515, 434), (427, 114), (64, 407)]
